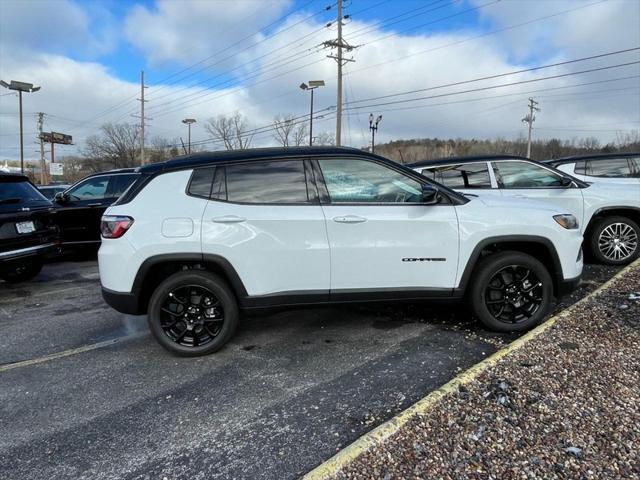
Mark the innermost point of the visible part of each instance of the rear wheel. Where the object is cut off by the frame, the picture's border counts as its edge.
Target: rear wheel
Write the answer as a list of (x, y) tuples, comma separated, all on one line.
[(193, 313), (22, 271), (510, 291), (615, 240)]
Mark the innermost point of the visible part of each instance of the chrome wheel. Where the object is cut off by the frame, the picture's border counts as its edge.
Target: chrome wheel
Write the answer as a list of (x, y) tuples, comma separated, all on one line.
[(513, 294), (618, 241), (191, 316)]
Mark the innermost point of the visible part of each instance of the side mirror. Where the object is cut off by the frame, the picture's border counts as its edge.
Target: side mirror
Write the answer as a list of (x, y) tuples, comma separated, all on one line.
[(430, 194), (566, 181), (60, 197)]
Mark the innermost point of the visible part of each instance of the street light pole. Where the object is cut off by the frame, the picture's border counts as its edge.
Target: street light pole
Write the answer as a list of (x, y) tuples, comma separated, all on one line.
[(313, 84), (373, 126), (20, 87), (188, 122)]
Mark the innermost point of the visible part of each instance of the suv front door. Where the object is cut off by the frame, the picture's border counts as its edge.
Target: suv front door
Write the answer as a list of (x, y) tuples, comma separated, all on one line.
[(519, 178), (382, 237)]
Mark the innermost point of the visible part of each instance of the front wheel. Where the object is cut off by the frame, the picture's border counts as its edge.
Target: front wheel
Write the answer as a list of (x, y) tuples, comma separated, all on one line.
[(193, 313), (510, 292), (615, 240)]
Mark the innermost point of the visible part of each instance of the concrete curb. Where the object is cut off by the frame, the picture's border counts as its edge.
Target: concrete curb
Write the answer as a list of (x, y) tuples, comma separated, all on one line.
[(379, 434)]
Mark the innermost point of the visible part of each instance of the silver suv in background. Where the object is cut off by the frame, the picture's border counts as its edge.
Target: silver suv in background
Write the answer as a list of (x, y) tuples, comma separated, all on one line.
[(620, 168)]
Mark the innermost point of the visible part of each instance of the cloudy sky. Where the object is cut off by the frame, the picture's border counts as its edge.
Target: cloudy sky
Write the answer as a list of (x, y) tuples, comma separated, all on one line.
[(420, 63)]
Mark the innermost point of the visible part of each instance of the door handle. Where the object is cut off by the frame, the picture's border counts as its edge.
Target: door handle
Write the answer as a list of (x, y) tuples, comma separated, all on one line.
[(94, 205), (349, 219), (228, 219)]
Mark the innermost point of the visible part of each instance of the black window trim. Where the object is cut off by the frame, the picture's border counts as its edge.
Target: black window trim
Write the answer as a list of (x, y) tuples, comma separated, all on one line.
[(326, 198)]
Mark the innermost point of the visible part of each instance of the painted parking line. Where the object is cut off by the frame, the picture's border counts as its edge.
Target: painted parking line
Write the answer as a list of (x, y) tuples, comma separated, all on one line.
[(378, 435), (68, 353)]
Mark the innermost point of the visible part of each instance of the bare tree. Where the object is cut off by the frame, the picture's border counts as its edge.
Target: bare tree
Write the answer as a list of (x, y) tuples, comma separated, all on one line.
[(325, 138), (300, 134), (116, 146), (231, 131), (283, 127)]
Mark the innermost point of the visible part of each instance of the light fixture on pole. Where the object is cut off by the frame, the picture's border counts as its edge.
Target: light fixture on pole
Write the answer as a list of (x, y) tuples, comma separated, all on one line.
[(188, 122), (20, 87), (373, 126), (313, 84)]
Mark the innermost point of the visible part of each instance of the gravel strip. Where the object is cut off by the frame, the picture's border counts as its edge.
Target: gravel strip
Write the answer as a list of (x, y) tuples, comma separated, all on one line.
[(565, 405)]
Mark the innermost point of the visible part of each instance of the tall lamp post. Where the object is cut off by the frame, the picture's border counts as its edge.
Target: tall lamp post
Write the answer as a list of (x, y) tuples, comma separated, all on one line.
[(373, 126), (20, 87), (188, 122), (313, 84)]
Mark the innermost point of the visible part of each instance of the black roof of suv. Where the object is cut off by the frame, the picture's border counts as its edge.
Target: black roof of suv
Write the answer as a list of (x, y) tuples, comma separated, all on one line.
[(591, 157)]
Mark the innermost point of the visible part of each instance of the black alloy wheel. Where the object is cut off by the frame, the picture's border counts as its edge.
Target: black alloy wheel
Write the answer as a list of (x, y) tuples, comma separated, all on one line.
[(192, 316), (513, 294), (510, 291), (192, 313)]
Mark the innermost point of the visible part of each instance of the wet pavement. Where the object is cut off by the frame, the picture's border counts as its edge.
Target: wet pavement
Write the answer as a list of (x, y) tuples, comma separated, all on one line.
[(288, 391)]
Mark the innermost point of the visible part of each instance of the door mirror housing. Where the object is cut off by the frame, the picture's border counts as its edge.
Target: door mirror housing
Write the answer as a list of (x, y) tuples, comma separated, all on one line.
[(430, 194), (61, 197), (566, 181)]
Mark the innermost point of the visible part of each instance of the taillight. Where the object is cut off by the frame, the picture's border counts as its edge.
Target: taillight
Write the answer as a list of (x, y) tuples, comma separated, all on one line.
[(114, 226)]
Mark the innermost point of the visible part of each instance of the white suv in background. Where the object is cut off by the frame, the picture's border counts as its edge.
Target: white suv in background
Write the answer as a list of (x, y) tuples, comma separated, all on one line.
[(608, 214), (198, 238), (620, 168)]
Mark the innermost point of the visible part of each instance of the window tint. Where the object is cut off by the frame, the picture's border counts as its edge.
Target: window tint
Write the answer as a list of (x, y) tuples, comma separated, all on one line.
[(91, 189), (118, 184), (635, 167), (472, 175), (363, 182), (267, 182), (201, 180), (609, 167), (516, 174)]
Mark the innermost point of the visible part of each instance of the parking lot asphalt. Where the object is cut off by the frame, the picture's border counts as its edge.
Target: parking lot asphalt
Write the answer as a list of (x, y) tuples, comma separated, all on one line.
[(86, 393)]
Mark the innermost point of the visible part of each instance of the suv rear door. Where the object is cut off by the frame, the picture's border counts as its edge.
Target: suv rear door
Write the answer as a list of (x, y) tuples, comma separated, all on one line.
[(382, 237), (265, 219)]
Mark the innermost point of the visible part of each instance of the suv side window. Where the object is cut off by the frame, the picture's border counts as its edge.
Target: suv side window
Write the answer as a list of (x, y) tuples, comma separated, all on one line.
[(471, 175), (274, 181), (362, 181), (91, 189), (118, 184), (201, 181), (580, 167), (610, 167), (517, 174)]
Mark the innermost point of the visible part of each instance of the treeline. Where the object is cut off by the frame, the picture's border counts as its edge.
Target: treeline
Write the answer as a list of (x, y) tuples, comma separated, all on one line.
[(408, 151)]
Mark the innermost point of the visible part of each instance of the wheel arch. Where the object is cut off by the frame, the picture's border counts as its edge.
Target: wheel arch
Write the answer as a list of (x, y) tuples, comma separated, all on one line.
[(632, 213), (539, 247), (157, 268)]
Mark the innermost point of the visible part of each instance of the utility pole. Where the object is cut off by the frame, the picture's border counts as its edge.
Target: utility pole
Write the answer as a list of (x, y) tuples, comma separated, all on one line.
[(142, 117), (341, 45), (43, 165), (529, 119)]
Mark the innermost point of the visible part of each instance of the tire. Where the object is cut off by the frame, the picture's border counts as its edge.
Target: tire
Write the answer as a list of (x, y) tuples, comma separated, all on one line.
[(507, 299), (182, 322), (22, 272), (615, 240)]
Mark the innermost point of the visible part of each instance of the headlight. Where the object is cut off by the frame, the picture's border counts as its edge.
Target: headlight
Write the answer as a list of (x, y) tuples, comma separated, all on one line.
[(567, 221)]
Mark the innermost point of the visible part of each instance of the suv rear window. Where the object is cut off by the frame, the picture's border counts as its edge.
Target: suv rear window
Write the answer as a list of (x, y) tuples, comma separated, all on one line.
[(610, 167), (278, 181), (16, 193), (471, 175)]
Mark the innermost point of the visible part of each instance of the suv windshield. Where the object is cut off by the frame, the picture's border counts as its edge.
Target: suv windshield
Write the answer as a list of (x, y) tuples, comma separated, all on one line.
[(16, 193)]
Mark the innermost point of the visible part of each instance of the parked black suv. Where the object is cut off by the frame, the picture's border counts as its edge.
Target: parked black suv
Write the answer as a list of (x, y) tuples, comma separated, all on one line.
[(80, 207), (28, 233)]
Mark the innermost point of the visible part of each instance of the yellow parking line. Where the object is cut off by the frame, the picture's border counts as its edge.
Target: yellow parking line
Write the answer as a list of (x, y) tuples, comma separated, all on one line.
[(66, 353), (379, 434)]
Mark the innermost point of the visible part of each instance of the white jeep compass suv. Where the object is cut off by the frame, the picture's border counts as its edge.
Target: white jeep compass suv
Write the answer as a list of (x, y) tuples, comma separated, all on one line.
[(197, 239), (608, 214)]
